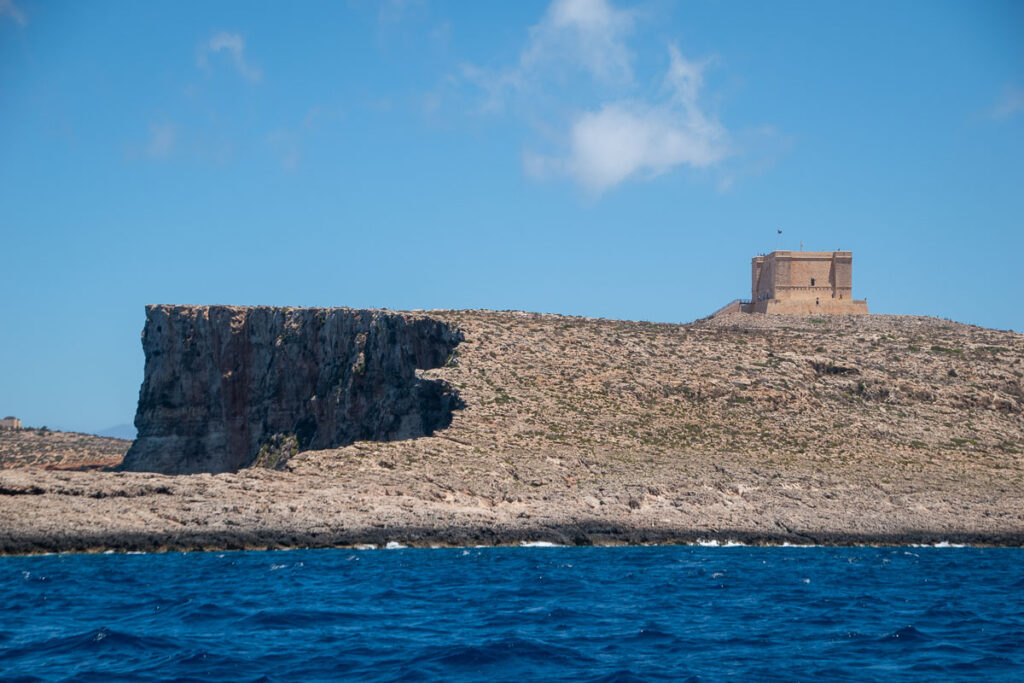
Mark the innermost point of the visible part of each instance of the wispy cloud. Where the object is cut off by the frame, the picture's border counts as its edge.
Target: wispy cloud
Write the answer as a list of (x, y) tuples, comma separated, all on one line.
[(288, 143), (8, 8), (160, 143), (1010, 103), (752, 152), (573, 36), (586, 34), (395, 11), (162, 137), (630, 131), (233, 45)]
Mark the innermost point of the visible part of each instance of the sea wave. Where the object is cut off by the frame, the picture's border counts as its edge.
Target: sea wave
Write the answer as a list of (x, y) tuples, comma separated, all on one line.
[(512, 613), (540, 544)]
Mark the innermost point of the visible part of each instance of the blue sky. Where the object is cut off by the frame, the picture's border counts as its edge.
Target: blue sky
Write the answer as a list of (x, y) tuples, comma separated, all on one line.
[(584, 157)]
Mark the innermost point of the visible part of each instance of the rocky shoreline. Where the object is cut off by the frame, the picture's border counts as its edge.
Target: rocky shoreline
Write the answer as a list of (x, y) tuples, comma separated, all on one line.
[(584, 535), (834, 430), (97, 512)]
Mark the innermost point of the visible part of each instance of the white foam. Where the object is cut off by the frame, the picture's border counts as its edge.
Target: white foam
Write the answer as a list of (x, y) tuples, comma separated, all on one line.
[(715, 543), (365, 546), (394, 545), (540, 544), (940, 544)]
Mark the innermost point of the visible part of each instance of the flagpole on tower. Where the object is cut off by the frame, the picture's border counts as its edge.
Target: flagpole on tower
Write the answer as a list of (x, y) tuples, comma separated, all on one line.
[(777, 233)]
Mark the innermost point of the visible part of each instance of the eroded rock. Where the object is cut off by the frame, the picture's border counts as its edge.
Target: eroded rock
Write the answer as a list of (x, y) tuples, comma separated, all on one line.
[(228, 386)]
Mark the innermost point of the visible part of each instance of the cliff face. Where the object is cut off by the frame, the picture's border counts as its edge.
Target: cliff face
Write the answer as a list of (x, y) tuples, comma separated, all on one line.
[(227, 387)]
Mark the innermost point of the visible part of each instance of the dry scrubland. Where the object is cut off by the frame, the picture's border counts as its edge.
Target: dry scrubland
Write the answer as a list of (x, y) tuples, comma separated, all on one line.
[(836, 429), (47, 449)]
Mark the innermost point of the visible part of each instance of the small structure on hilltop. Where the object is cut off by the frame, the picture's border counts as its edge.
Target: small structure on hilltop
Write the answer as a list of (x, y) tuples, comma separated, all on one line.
[(10, 422), (800, 283)]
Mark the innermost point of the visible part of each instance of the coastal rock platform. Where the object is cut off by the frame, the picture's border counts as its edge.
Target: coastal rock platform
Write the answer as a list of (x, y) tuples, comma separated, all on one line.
[(749, 428)]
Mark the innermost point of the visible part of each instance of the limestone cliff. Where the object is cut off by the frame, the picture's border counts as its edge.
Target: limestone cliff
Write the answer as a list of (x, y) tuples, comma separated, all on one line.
[(227, 386)]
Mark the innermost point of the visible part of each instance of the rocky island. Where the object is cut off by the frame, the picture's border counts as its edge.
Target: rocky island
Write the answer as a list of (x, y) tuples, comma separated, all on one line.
[(271, 427)]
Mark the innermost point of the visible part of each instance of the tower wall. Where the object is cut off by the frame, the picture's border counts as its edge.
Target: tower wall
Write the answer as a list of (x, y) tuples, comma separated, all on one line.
[(803, 282)]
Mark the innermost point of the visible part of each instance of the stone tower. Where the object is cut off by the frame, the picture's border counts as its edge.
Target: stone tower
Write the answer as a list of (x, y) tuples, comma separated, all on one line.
[(803, 283)]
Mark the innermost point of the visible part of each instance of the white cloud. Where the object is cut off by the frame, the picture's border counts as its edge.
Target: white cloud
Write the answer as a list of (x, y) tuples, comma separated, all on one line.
[(13, 11), (162, 137), (234, 45), (1010, 103), (586, 34), (635, 139), (627, 130)]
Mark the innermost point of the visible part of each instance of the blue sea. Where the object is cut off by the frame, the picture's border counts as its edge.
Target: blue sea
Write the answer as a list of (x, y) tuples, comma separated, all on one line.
[(683, 613)]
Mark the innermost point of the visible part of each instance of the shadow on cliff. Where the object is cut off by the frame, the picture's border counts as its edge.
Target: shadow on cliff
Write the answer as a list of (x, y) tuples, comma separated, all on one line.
[(431, 409), (230, 387)]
